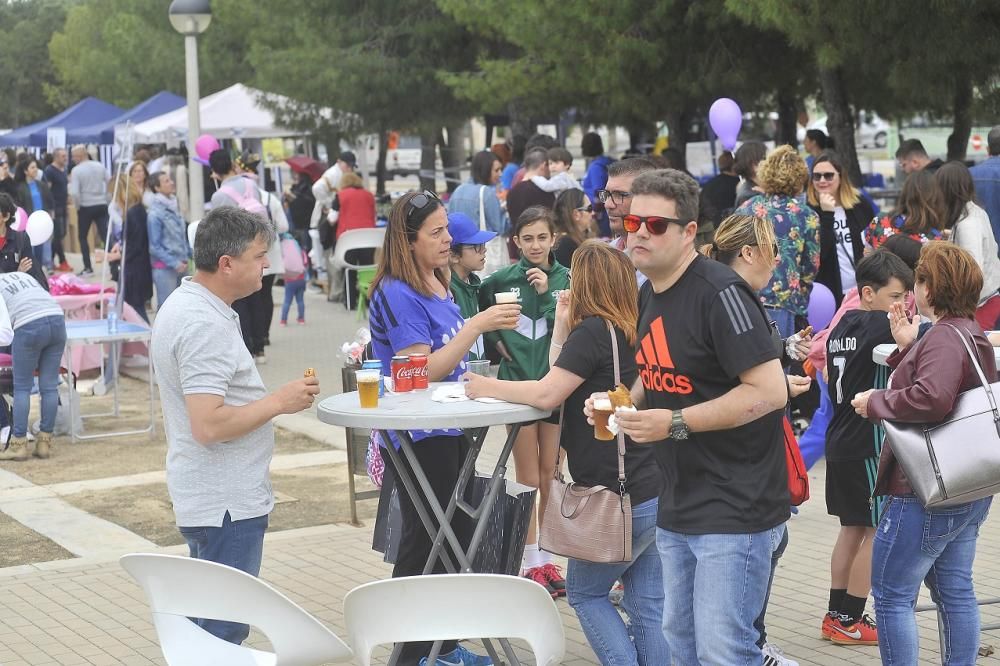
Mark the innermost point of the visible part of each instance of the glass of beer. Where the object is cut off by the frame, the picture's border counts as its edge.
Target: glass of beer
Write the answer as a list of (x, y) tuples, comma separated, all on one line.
[(506, 297), (368, 387), (478, 367), (602, 410)]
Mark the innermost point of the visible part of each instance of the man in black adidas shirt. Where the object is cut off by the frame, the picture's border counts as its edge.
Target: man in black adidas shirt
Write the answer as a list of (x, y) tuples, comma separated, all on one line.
[(710, 395), (853, 443)]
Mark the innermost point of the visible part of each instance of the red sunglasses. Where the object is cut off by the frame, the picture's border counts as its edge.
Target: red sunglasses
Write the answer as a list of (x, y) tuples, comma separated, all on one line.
[(655, 224)]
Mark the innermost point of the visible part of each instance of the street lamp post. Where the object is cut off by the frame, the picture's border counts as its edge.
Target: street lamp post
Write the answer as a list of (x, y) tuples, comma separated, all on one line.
[(191, 18)]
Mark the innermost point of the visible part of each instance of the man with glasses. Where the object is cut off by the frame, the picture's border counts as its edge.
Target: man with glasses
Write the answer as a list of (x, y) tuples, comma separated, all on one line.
[(616, 197), (710, 395)]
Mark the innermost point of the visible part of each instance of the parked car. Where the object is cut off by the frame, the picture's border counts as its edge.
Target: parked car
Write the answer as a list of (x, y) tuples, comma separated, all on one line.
[(870, 130)]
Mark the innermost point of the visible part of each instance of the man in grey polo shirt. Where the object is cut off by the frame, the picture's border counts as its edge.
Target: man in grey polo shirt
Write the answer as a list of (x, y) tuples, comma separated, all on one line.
[(216, 410)]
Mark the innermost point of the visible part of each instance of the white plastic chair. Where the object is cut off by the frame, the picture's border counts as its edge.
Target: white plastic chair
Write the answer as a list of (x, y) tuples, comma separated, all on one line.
[(450, 607), (182, 587), (355, 239)]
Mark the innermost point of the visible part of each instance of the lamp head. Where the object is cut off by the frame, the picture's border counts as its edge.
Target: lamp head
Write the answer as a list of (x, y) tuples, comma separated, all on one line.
[(190, 17)]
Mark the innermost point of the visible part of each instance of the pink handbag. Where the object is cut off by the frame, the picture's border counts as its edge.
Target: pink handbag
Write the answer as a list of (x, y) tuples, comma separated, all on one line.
[(590, 523)]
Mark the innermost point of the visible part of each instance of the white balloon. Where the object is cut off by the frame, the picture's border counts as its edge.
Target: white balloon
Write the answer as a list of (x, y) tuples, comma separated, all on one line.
[(39, 227)]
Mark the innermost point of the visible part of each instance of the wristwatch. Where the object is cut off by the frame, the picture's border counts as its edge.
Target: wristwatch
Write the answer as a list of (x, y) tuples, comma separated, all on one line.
[(678, 428)]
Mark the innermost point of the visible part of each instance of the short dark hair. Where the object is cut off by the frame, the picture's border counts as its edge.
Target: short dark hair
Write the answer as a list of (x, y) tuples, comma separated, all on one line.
[(482, 167), (820, 138), (592, 145), (535, 158), (910, 148), (726, 161), (227, 231), (877, 268), (560, 154), (153, 182), (534, 214), (905, 248), (671, 184), (748, 156), (993, 142), (220, 161), (631, 166)]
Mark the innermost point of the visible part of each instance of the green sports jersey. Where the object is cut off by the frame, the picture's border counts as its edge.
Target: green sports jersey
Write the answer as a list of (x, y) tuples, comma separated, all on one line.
[(528, 344), (466, 295)]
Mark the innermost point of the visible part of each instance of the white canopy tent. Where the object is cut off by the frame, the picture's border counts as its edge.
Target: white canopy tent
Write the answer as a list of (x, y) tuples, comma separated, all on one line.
[(233, 113)]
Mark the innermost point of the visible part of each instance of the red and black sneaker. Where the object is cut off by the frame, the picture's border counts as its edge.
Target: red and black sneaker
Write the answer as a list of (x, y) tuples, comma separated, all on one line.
[(536, 574), (554, 578)]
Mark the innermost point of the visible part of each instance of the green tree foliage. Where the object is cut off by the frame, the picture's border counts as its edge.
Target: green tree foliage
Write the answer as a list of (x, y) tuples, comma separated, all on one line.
[(629, 63), (124, 51), (28, 74), (377, 62)]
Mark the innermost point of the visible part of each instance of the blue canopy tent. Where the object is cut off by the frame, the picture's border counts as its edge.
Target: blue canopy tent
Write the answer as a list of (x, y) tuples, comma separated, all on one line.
[(104, 132), (87, 111)]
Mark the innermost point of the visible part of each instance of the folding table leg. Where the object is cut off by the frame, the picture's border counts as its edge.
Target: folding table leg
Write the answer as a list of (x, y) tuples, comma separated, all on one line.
[(411, 489)]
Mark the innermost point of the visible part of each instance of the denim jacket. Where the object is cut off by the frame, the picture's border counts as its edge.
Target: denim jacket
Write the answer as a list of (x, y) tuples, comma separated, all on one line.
[(168, 245)]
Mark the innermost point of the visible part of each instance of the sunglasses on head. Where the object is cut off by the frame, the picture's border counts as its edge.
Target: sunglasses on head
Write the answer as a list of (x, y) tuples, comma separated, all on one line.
[(586, 209), (421, 201), (828, 176), (655, 224)]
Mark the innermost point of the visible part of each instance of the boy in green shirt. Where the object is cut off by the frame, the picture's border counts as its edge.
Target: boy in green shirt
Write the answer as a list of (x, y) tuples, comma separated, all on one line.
[(468, 254)]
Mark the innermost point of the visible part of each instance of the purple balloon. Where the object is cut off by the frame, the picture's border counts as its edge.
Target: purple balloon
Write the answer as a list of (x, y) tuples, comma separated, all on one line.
[(726, 118), (822, 306)]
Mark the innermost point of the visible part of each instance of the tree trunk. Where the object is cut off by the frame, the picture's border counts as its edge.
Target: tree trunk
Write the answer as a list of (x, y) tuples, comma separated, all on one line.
[(678, 123), (961, 128), (521, 124), (840, 120), (451, 155), (788, 112), (383, 150), (428, 158)]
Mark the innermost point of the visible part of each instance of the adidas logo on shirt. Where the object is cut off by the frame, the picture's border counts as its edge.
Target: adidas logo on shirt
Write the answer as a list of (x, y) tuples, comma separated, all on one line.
[(653, 359)]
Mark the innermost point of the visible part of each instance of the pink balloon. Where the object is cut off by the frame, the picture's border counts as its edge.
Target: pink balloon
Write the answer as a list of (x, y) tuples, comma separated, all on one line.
[(726, 118), (205, 145), (20, 220)]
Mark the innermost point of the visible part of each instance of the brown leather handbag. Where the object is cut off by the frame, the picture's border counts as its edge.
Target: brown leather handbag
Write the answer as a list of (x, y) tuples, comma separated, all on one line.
[(590, 523)]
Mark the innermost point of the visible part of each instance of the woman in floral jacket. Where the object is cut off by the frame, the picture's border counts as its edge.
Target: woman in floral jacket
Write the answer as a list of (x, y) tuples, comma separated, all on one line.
[(783, 176)]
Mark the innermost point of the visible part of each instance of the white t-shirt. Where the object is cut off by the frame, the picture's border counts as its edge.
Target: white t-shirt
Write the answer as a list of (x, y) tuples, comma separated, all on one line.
[(845, 250)]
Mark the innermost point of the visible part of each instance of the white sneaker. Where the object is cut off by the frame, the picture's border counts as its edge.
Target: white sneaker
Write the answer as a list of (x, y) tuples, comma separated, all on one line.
[(773, 656)]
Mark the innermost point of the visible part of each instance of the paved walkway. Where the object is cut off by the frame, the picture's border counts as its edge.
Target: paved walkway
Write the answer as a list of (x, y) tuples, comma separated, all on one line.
[(88, 611)]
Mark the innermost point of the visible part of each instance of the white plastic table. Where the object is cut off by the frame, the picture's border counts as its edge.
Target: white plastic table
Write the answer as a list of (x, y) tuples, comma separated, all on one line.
[(882, 352), (400, 413), (94, 332)]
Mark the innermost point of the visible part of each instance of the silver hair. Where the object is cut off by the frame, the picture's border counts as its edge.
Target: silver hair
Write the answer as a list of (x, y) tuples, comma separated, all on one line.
[(227, 231)]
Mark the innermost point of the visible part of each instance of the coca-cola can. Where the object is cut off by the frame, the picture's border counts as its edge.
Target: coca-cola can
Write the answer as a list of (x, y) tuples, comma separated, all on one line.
[(418, 362), (402, 374)]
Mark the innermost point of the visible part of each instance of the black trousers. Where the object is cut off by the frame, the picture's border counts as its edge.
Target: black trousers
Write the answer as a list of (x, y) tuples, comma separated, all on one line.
[(58, 233), (441, 459), (251, 312), (263, 331), (88, 215)]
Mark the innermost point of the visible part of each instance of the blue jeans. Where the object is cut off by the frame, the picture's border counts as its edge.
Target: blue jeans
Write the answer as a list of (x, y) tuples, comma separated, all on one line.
[(38, 345), (937, 547), (775, 556), (238, 544), (812, 443), (43, 254), (165, 280), (587, 586), (714, 587), (294, 289)]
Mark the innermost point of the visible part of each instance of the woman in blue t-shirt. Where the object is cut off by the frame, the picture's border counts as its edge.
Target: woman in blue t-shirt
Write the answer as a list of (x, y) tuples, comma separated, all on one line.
[(412, 311)]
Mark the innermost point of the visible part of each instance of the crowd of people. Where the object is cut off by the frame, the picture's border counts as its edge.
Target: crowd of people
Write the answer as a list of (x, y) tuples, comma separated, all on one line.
[(717, 348), (703, 294)]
